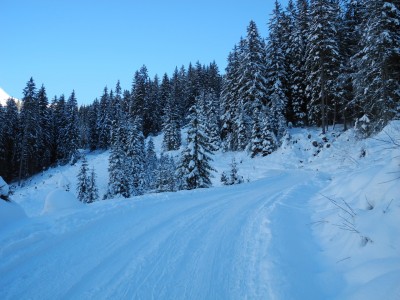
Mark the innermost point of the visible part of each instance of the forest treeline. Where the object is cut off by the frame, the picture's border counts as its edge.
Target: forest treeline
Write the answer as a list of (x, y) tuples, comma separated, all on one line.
[(324, 62)]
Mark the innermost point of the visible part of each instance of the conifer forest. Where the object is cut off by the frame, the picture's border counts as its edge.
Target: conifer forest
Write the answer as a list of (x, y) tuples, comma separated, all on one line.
[(324, 62)]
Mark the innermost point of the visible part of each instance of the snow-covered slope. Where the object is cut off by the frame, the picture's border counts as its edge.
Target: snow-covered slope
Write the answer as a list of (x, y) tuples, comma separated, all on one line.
[(301, 227), (4, 97)]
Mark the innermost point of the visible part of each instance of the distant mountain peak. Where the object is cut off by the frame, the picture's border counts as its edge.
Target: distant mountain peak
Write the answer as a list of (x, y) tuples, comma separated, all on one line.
[(4, 97)]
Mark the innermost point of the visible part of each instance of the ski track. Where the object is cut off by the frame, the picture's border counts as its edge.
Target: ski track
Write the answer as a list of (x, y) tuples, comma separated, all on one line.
[(218, 245)]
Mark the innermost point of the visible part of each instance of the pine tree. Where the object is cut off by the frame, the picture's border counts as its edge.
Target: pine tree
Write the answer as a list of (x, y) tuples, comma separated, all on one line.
[(118, 183), (135, 156), (172, 134), (70, 133), (322, 61), (295, 63), (235, 178), (9, 140), (166, 180), (194, 167), (104, 121), (212, 125), (256, 135), (92, 124), (30, 132), (269, 140), (139, 93), (230, 102), (253, 83), (93, 192), (151, 165), (350, 32), (277, 77), (377, 77), (45, 125), (83, 181)]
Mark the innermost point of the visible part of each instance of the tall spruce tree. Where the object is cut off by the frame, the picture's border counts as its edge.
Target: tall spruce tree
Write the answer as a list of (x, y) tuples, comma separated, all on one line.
[(135, 158), (322, 61), (253, 82), (194, 168), (377, 75), (93, 192), (30, 132), (119, 181), (9, 140), (151, 162), (70, 133), (82, 188), (277, 77)]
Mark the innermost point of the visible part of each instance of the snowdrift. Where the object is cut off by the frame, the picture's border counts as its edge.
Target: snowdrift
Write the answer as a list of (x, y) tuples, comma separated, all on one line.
[(60, 200)]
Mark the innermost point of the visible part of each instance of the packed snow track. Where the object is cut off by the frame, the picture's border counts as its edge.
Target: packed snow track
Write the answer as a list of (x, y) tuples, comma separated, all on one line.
[(205, 244)]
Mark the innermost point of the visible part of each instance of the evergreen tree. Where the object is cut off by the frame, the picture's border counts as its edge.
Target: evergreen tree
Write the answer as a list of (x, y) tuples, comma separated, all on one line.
[(93, 192), (166, 180), (104, 121), (45, 125), (83, 181), (139, 93), (269, 140), (230, 102), (135, 158), (377, 77), (233, 177), (211, 109), (70, 133), (253, 83), (350, 32), (30, 132), (92, 124), (322, 61), (172, 134), (295, 63), (194, 168), (118, 183), (151, 165), (256, 135), (277, 77), (9, 140)]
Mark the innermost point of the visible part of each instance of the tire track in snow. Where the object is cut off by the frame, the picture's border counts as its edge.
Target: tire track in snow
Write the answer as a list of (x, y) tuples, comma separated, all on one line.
[(214, 246)]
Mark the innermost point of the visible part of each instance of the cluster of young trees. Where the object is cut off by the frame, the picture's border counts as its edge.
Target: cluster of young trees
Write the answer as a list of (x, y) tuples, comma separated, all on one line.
[(87, 189), (324, 62)]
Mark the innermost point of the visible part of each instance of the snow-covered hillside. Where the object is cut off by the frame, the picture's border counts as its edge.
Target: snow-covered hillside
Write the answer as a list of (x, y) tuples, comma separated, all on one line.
[(4, 97), (317, 219)]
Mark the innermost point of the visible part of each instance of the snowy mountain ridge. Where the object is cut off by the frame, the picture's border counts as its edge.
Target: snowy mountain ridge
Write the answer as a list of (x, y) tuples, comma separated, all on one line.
[(4, 97), (317, 219)]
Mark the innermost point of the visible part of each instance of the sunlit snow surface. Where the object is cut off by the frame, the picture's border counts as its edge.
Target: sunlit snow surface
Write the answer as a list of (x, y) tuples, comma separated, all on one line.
[(277, 236)]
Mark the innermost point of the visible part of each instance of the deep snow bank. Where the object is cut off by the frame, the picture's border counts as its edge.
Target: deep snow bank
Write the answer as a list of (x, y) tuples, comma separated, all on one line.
[(357, 215)]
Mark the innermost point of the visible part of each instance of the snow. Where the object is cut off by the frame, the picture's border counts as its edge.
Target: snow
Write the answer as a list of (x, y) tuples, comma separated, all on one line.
[(60, 200), (9, 213), (4, 97), (276, 236), (4, 188)]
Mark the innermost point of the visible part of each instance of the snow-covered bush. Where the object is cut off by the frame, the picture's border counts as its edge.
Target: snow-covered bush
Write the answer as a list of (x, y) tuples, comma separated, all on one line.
[(363, 127)]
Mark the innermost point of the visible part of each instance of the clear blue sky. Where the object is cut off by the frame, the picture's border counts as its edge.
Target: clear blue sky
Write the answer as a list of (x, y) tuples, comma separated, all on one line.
[(88, 44)]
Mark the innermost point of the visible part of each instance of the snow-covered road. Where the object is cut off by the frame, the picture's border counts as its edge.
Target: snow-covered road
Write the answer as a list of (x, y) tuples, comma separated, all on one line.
[(251, 241)]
